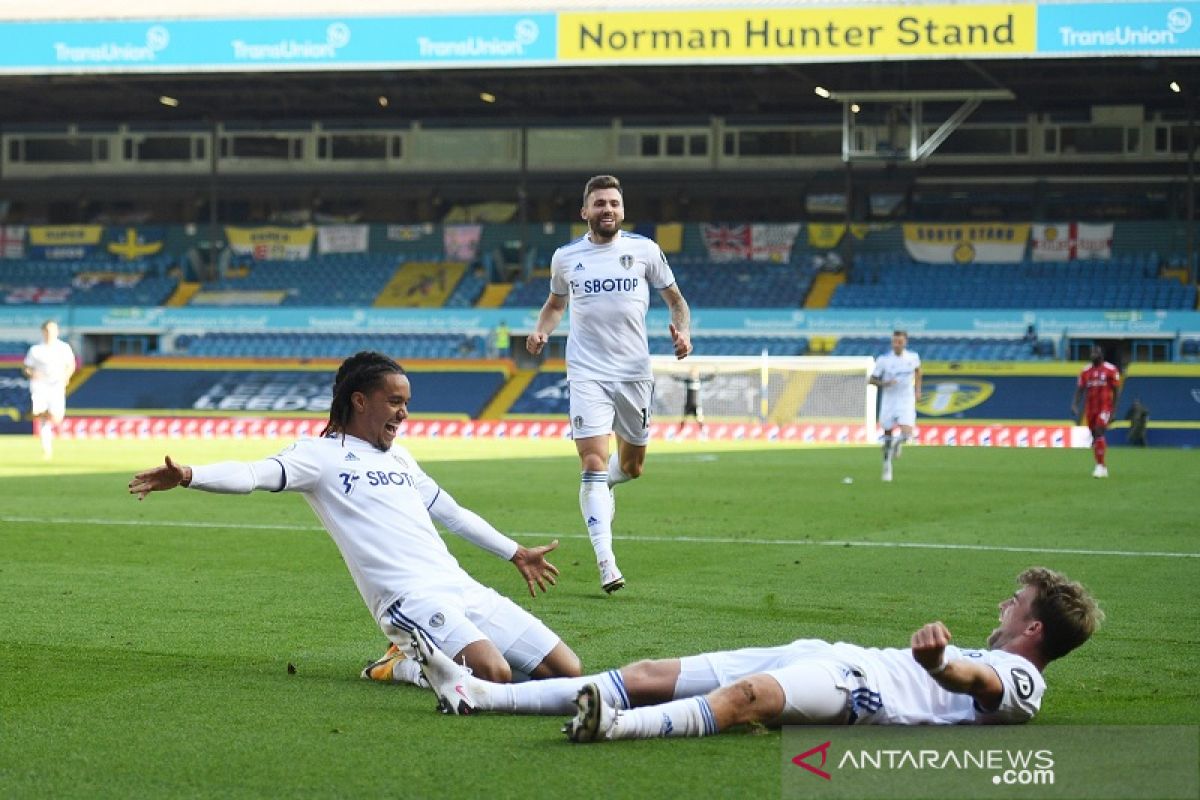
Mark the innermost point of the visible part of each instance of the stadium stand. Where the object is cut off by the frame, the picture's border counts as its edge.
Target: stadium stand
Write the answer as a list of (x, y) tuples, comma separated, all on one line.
[(90, 283), (352, 279), (1126, 282), (740, 284), (9, 349), (328, 345), (737, 284), (468, 291), (942, 348), (529, 293), (736, 345)]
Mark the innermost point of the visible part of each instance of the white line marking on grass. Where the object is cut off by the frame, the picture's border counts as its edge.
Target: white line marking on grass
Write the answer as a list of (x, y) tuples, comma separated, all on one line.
[(142, 523)]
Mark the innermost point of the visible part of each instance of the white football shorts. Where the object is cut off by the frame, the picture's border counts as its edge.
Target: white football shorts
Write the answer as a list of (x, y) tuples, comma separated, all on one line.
[(48, 399), (807, 670), (599, 408), (455, 620), (893, 414)]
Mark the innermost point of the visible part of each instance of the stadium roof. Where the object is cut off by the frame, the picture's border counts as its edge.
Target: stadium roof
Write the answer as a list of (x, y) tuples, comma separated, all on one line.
[(1067, 88)]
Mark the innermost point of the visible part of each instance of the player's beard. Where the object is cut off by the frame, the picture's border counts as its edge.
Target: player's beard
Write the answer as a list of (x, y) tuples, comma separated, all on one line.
[(603, 229)]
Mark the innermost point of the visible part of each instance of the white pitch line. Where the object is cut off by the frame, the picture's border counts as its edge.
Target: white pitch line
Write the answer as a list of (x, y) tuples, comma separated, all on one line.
[(136, 523)]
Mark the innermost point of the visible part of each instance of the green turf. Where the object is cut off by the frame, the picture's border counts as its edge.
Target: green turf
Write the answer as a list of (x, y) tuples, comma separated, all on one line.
[(150, 659)]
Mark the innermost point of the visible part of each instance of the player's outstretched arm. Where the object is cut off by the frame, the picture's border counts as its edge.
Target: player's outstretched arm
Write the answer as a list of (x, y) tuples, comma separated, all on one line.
[(960, 676), (534, 568), (160, 479), (226, 477)]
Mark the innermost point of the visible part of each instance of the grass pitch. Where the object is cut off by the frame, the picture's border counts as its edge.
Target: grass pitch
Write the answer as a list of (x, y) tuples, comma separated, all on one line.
[(145, 647)]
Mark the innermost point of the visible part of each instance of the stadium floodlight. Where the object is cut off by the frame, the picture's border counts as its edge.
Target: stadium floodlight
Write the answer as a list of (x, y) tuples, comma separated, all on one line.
[(821, 91), (168, 101), (776, 390), (1175, 87)]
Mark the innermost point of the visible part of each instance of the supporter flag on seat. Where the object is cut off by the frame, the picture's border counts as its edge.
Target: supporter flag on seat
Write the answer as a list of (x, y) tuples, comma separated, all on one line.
[(773, 241), (726, 242), (1069, 241), (66, 242), (12, 241), (461, 242), (966, 243), (272, 242), (342, 238), (132, 244)]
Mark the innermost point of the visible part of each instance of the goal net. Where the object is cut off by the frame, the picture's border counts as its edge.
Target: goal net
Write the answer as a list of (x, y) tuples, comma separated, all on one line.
[(779, 390)]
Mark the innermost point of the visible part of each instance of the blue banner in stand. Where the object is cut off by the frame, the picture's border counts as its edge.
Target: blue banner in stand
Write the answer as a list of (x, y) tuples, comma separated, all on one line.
[(1095, 29), (241, 45), (872, 322)]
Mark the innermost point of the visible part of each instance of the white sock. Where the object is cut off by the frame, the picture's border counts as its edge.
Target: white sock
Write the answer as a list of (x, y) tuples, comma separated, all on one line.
[(408, 671), (615, 475), (47, 436), (690, 717), (596, 507), (551, 696)]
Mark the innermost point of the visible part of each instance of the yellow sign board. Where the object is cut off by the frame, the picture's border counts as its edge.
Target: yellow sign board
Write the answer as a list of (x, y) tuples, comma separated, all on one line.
[(811, 34)]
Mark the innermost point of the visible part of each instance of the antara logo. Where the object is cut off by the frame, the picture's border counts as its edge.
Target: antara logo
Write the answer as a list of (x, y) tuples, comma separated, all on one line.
[(823, 749)]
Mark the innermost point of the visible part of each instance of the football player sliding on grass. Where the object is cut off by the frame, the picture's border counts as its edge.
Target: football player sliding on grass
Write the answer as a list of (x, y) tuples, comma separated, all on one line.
[(378, 505), (807, 682)]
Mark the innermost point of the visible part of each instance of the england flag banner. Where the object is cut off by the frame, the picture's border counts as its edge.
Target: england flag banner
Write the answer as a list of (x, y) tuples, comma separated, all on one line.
[(1071, 241)]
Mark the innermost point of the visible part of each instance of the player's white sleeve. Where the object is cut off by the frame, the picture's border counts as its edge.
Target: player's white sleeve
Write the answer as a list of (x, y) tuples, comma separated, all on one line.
[(558, 276), (302, 464), (470, 526), (1023, 689), (238, 477), (659, 271), (877, 370)]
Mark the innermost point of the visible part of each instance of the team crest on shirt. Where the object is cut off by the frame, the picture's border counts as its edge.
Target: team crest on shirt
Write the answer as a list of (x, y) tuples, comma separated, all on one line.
[(627, 262), (437, 620), (579, 422), (943, 398), (1023, 683)]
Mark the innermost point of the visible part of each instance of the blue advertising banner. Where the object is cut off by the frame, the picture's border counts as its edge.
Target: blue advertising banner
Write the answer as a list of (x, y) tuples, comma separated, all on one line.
[(1091, 29), (265, 391), (839, 322), (282, 43), (548, 39)]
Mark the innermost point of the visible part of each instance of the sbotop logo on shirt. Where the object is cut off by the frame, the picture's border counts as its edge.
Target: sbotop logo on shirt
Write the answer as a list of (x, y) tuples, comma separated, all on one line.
[(604, 285)]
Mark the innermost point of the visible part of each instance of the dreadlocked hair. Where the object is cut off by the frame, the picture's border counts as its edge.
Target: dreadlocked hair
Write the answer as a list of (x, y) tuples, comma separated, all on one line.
[(360, 372)]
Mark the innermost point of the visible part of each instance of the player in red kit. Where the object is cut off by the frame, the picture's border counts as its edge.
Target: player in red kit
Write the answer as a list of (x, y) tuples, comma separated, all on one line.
[(1101, 382)]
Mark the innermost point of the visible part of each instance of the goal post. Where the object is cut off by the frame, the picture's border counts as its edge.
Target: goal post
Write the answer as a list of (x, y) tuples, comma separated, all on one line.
[(776, 390)]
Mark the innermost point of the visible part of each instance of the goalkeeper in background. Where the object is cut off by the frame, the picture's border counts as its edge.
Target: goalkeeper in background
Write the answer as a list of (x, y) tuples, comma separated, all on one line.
[(898, 375)]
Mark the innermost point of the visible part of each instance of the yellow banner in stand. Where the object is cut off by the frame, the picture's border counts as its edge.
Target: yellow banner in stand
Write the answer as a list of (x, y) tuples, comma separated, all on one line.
[(812, 34)]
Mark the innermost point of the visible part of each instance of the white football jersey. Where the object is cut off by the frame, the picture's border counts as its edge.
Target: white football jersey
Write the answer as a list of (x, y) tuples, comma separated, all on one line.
[(609, 287), (50, 363), (899, 368), (352, 486), (899, 691)]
